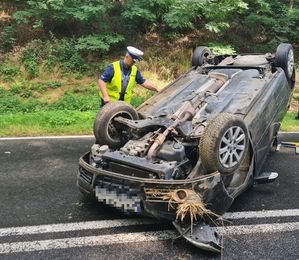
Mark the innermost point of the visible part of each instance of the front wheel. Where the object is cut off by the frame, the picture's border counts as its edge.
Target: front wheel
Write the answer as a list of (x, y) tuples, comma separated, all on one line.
[(224, 143), (107, 130)]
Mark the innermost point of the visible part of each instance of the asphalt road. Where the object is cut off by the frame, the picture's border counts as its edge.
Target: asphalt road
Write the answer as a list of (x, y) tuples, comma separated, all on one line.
[(44, 216)]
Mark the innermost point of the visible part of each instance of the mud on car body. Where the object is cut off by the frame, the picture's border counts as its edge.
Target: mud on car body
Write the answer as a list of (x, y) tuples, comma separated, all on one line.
[(186, 153)]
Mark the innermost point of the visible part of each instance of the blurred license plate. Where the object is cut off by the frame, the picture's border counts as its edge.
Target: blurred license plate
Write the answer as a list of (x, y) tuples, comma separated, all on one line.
[(127, 202)]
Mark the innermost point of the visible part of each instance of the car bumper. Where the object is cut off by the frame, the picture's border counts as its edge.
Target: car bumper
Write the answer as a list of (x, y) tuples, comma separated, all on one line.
[(155, 197)]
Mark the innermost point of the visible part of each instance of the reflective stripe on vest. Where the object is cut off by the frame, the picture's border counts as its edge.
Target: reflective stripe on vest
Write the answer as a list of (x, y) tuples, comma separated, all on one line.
[(114, 87)]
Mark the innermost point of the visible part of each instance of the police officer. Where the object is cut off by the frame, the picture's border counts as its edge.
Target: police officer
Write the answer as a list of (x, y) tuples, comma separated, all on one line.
[(120, 77)]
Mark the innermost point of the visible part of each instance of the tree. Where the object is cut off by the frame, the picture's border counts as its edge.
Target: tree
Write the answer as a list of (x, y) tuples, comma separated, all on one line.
[(99, 25)]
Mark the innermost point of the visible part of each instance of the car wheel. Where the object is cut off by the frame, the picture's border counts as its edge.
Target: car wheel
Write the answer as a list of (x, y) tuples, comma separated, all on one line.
[(284, 58), (200, 55), (224, 143), (106, 130)]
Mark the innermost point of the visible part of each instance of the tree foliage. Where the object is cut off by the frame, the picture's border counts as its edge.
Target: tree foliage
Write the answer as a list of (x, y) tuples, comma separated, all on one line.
[(270, 22), (97, 26)]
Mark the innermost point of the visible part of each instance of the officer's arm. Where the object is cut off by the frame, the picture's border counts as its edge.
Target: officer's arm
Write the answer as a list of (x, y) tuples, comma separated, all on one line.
[(145, 83), (106, 77), (149, 85), (103, 89)]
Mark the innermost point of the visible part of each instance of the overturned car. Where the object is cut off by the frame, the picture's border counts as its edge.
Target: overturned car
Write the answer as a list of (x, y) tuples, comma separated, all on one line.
[(186, 153)]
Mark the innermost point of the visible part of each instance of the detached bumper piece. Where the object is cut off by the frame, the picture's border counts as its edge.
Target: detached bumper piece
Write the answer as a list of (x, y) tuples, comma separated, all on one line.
[(266, 177), (200, 235)]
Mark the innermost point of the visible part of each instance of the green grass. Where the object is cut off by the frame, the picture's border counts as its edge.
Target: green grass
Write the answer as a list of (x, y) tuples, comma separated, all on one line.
[(290, 123), (63, 122), (68, 122), (72, 111), (62, 104), (55, 119)]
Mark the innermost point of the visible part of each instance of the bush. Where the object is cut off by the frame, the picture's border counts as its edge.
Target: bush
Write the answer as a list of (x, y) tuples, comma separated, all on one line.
[(98, 43), (16, 88), (12, 104), (54, 84), (7, 38), (8, 71), (72, 102), (32, 68), (35, 54), (30, 105), (41, 88), (2, 91), (78, 76), (61, 119), (219, 49), (137, 100), (61, 52), (26, 93), (9, 104), (29, 59), (68, 56)]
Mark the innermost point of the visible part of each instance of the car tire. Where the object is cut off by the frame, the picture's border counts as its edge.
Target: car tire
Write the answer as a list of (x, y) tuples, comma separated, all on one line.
[(200, 55), (223, 144), (284, 58), (108, 132)]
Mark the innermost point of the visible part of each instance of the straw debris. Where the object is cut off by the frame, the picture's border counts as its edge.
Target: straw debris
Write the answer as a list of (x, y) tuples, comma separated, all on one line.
[(156, 193), (187, 203)]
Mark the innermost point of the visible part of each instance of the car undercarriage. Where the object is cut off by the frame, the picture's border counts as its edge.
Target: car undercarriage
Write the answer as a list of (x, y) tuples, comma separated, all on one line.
[(186, 153)]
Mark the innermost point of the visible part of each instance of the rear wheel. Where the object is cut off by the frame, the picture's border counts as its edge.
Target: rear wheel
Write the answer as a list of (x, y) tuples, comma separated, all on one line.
[(224, 144), (284, 58), (107, 130), (200, 55)]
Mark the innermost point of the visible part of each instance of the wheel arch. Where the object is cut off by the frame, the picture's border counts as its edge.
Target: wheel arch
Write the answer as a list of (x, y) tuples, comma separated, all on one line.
[(251, 149)]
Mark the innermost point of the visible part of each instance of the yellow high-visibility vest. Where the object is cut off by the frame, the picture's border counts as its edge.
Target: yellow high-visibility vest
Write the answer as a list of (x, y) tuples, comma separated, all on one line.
[(114, 87)]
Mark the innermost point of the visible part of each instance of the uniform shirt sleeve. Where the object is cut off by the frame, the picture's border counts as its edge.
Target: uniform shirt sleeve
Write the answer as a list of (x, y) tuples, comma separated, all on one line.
[(108, 74), (139, 79)]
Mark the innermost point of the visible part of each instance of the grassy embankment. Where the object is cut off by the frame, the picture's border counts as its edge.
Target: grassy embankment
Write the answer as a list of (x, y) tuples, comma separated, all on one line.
[(290, 122), (58, 104)]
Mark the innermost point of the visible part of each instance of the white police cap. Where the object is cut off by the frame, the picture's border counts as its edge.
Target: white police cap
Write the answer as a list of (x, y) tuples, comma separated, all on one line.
[(134, 53)]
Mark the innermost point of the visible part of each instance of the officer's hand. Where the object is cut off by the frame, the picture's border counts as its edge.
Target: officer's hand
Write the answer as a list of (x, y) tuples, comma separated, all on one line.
[(106, 101)]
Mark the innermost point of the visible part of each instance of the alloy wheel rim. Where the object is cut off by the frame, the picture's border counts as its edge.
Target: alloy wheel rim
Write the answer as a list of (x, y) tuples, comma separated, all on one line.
[(232, 147), (290, 62)]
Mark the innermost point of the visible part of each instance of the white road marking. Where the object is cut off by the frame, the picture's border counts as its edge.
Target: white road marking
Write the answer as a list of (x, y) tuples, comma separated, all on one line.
[(46, 137), (86, 241), (262, 214), (260, 228), (85, 136), (90, 225), (66, 243)]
